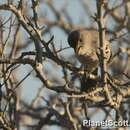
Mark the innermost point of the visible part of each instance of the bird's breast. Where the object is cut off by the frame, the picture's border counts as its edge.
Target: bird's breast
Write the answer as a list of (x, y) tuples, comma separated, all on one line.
[(88, 59)]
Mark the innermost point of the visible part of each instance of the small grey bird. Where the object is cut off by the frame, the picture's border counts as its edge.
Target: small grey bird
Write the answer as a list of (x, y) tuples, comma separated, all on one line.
[(86, 46)]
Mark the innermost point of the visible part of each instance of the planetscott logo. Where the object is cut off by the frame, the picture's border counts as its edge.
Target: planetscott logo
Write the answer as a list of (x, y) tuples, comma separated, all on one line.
[(107, 123)]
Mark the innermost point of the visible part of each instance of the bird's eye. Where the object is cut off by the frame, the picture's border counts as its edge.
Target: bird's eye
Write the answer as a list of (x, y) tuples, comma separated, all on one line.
[(80, 40)]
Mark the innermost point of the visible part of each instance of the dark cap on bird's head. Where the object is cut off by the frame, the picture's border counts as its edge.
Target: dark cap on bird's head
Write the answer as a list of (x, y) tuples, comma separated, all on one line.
[(73, 38)]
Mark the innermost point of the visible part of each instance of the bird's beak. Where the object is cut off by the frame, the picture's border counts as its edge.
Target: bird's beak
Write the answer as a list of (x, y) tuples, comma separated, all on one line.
[(77, 49)]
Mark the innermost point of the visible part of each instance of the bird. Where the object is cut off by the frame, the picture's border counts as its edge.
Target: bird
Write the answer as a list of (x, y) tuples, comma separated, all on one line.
[(85, 43)]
